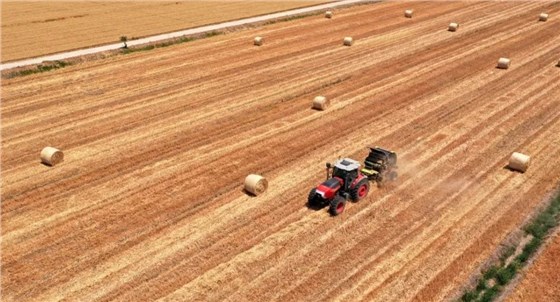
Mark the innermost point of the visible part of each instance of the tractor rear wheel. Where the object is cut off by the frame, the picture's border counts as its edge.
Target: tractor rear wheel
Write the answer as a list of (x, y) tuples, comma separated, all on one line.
[(360, 190), (337, 205)]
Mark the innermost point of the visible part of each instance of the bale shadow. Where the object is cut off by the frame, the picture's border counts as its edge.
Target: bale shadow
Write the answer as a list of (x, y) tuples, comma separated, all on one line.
[(46, 165), (506, 167), (248, 193)]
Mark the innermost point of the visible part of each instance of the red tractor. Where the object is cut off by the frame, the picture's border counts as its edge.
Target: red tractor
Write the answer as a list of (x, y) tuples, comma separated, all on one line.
[(348, 182)]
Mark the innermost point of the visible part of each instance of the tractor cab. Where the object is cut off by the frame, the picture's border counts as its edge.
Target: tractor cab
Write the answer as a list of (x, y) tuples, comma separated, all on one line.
[(346, 170)]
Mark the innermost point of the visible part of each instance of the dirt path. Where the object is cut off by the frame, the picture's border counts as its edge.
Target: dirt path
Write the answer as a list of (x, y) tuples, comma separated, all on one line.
[(148, 204)]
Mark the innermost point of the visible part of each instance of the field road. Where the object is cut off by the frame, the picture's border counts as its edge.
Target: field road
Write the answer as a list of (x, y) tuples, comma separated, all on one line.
[(177, 34), (148, 204)]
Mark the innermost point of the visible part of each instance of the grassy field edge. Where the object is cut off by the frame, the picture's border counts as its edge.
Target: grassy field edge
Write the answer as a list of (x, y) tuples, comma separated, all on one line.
[(493, 280)]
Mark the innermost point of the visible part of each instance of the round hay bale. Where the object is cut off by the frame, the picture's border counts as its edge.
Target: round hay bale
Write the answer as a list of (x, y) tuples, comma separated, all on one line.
[(348, 41), (519, 161), (255, 184), (321, 103), (51, 156), (558, 63), (258, 41), (503, 63), (543, 17), (453, 26), (408, 13), (328, 14)]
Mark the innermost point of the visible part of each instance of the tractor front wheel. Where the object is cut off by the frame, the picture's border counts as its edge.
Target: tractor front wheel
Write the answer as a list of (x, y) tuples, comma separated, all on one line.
[(312, 198), (337, 205), (360, 190)]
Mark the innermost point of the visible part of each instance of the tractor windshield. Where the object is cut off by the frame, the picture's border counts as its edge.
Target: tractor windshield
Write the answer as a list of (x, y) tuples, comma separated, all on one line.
[(339, 173), (344, 175)]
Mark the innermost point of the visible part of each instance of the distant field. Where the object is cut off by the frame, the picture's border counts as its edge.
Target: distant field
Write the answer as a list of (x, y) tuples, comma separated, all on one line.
[(31, 29)]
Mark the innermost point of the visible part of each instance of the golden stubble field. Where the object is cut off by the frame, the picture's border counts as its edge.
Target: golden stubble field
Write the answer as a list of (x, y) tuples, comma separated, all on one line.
[(34, 28), (148, 203)]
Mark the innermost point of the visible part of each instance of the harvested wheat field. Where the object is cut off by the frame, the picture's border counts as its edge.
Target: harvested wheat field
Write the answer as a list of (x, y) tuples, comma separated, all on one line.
[(540, 282), (149, 203), (34, 28)]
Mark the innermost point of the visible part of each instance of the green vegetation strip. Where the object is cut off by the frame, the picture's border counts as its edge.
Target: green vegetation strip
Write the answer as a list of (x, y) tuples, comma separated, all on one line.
[(165, 44), (40, 68), (294, 17), (494, 279), (170, 42)]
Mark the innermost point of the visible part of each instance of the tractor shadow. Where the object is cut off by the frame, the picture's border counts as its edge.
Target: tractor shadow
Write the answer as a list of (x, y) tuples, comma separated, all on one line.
[(315, 207)]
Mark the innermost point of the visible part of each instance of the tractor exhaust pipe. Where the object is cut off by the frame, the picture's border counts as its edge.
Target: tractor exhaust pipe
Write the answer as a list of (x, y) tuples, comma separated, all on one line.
[(329, 166)]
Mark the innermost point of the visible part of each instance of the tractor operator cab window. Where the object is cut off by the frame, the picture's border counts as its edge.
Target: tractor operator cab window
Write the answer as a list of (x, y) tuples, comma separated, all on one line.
[(344, 174), (338, 173)]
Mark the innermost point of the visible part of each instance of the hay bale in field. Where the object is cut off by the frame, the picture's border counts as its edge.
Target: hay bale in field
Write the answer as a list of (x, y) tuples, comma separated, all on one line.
[(519, 162), (328, 14), (51, 156), (258, 41), (255, 184), (558, 63), (503, 63), (348, 41), (408, 13), (453, 27), (543, 17), (321, 103)]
